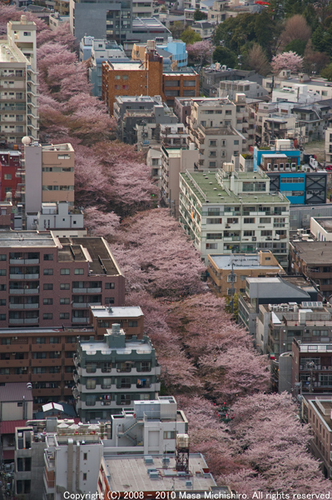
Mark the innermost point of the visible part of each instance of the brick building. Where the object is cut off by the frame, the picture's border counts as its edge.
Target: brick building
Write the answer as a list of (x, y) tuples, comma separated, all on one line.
[(146, 78), (132, 78), (48, 281)]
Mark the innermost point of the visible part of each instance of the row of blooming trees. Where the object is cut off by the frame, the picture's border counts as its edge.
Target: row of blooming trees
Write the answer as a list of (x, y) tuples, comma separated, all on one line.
[(205, 358)]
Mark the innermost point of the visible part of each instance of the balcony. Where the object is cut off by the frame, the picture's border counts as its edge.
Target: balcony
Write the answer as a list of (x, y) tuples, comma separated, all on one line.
[(80, 320), (86, 290)]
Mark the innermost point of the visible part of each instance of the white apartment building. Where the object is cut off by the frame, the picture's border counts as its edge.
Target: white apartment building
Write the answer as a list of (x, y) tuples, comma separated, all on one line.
[(18, 82), (220, 129), (232, 212), (150, 428)]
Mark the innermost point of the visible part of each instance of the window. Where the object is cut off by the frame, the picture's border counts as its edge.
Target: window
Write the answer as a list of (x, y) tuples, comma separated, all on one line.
[(117, 77), (47, 302), (214, 236), (3, 256), (211, 246), (54, 340), (213, 221), (39, 355), (3, 272), (47, 316), (2, 302), (48, 256), (2, 317), (236, 143), (109, 300), (64, 315), (39, 369), (91, 383), (79, 271), (85, 476), (64, 301), (64, 271), (27, 33), (85, 456), (8, 177), (64, 286), (40, 340), (249, 220), (109, 286), (265, 220), (54, 369), (132, 324), (54, 355), (48, 286), (106, 384), (48, 272), (248, 233), (169, 434), (213, 211)]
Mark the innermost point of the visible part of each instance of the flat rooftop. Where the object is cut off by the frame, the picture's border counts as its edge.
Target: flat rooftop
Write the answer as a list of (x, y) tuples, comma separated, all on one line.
[(325, 222), (116, 312), (130, 473), (207, 183), (26, 239), (7, 53), (125, 66), (91, 348), (314, 253), (241, 262), (95, 250)]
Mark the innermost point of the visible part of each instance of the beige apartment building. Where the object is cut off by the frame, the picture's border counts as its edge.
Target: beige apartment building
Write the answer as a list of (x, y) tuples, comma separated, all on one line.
[(49, 175), (18, 83), (228, 273), (217, 127)]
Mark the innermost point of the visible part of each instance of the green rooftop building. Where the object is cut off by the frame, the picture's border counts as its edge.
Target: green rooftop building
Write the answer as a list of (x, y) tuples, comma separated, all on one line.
[(232, 212)]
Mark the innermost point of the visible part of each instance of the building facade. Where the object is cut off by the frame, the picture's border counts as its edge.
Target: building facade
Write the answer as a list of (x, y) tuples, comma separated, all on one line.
[(232, 212), (18, 83), (111, 374), (49, 281), (228, 273)]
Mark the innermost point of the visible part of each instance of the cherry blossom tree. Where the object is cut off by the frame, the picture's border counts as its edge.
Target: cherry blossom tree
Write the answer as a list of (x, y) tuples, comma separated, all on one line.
[(287, 60), (155, 255), (200, 52), (101, 223)]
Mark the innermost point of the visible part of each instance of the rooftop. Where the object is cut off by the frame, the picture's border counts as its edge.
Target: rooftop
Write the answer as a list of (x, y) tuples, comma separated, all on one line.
[(241, 261), (325, 222), (131, 473), (208, 190), (15, 392), (26, 239), (314, 252), (91, 348), (323, 407), (116, 312), (125, 66)]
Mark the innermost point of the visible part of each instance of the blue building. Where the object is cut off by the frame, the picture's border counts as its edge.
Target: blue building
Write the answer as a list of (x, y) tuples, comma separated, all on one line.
[(178, 50), (283, 146), (301, 184)]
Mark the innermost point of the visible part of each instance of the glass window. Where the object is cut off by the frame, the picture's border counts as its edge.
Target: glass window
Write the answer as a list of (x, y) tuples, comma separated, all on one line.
[(79, 271), (64, 271)]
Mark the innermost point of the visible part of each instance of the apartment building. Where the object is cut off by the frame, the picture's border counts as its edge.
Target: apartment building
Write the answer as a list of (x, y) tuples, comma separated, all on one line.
[(143, 8), (320, 228), (318, 414), (132, 78), (313, 260), (57, 456), (112, 373), (278, 290), (232, 212), (312, 364), (49, 281), (58, 218), (251, 90), (308, 322), (48, 175), (146, 78), (150, 428), (228, 273), (174, 161), (220, 129), (18, 82)]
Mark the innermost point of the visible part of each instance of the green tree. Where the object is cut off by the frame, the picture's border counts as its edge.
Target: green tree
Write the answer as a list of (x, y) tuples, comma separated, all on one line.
[(327, 72), (177, 28), (225, 56), (232, 305), (199, 15), (189, 36), (297, 46)]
